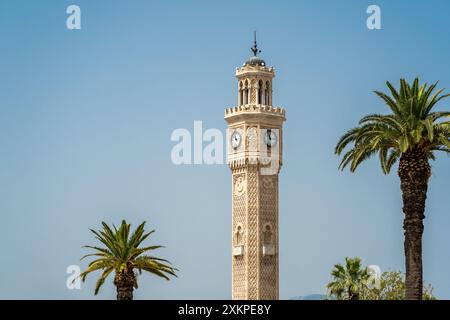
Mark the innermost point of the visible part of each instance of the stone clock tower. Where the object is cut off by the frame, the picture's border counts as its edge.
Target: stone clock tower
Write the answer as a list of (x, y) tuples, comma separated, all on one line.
[(255, 158)]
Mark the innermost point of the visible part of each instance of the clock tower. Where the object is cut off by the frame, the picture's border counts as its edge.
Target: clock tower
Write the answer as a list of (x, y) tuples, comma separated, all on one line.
[(255, 157)]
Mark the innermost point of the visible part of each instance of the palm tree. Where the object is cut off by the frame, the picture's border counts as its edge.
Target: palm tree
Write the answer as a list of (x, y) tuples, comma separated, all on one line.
[(123, 255), (349, 280), (411, 134)]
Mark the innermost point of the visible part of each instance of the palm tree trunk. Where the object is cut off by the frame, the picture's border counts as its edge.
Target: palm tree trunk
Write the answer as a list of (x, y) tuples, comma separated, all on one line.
[(352, 295), (414, 172), (124, 282)]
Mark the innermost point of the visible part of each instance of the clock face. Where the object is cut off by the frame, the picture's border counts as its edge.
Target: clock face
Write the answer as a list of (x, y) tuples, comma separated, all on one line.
[(236, 140), (270, 138)]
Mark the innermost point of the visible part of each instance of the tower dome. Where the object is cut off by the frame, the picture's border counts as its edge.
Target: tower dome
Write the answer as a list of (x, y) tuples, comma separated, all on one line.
[(255, 60)]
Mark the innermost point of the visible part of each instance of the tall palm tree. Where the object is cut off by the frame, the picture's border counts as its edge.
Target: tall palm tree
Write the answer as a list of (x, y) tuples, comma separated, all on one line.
[(123, 255), (349, 281), (411, 134)]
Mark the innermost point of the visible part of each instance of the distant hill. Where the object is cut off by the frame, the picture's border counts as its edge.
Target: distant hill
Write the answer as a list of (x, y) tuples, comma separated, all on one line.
[(315, 296)]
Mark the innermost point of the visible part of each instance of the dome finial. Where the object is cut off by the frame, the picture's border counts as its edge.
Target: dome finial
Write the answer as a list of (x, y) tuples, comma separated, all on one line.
[(255, 45), (255, 60)]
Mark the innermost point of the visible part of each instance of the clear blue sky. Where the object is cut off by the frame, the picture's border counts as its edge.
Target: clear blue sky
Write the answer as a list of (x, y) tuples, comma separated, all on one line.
[(86, 118)]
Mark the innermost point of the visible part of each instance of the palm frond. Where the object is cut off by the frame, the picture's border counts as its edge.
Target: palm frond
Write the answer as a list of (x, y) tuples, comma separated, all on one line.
[(412, 126), (121, 253), (102, 279)]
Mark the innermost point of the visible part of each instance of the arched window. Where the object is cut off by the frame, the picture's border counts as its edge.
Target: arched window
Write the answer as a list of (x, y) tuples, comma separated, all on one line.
[(241, 94), (238, 236), (267, 94), (267, 233), (246, 92), (260, 90)]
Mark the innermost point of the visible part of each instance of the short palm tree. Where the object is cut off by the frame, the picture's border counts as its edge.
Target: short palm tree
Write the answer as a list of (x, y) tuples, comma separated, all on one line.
[(348, 281), (410, 134), (123, 255)]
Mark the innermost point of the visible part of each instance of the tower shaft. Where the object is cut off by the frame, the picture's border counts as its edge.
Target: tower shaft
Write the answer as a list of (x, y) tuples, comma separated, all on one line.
[(255, 158)]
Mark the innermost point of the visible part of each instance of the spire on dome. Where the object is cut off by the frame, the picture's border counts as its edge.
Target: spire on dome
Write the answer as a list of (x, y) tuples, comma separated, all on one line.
[(255, 60), (255, 49)]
